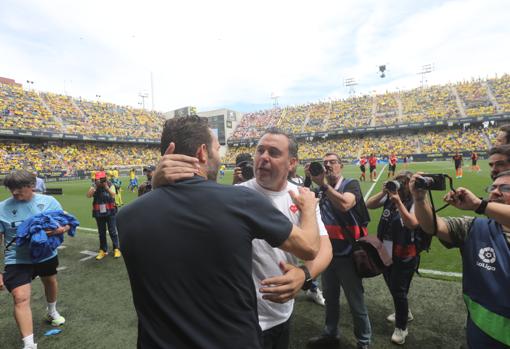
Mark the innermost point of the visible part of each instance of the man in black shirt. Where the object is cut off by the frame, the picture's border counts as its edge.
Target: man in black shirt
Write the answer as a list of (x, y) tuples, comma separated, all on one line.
[(187, 247)]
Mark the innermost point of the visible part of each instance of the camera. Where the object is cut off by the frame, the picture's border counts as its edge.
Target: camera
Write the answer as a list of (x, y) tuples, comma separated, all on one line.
[(392, 186), (245, 162), (316, 168), (431, 182)]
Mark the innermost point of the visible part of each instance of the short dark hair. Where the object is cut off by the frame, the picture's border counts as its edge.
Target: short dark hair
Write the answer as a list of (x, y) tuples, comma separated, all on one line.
[(293, 145), (500, 149), (506, 128), (188, 133), (19, 179), (334, 154)]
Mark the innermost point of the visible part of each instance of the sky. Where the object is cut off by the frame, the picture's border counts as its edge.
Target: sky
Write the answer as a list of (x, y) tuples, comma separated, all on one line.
[(237, 54)]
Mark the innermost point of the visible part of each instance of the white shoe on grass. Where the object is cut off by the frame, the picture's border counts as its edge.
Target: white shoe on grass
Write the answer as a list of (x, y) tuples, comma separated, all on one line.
[(399, 336), (55, 321), (316, 296), (391, 317)]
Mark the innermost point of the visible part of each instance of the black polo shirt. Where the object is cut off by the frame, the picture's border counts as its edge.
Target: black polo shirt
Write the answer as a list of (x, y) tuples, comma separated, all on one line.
[(188, 252)]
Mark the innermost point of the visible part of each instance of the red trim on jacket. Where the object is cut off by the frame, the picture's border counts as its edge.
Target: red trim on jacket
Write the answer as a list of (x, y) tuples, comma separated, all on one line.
[(337, 232)]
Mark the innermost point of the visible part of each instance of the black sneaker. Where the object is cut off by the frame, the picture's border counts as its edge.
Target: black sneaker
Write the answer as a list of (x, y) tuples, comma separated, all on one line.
[(324, 340)]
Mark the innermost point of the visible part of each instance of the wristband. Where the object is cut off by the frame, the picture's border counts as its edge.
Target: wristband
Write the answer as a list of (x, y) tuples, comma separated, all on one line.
[(482, 207), (308, 278), (324, 187)]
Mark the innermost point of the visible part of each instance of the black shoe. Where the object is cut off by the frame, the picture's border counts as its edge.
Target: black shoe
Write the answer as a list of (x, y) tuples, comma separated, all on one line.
[(324, 340)]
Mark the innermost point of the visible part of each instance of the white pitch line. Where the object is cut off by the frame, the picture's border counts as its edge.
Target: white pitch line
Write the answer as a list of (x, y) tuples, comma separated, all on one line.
[(373, 185), (86, 229), (89, 254), (442, 273)]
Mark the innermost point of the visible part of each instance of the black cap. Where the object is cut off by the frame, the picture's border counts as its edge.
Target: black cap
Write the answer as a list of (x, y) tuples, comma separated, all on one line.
[(149, 168)]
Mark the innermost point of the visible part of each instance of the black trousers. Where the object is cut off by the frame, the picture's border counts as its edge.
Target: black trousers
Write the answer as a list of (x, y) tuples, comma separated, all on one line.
[(398, 279), (277, 337)]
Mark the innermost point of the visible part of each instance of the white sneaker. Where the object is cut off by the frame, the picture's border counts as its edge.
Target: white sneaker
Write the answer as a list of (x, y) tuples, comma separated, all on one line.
[(399, 336), (391, 317), (31, 346), (316, 296)]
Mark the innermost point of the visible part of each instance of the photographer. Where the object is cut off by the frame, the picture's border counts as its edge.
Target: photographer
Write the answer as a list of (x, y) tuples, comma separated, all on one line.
[(345, 216), (104, 211), (146, 186), (485, 249), (396, 229), (244, 168)]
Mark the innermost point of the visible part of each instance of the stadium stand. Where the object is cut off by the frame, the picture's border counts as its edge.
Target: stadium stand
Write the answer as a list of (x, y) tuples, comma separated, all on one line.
[(72, 157), (37, 111)]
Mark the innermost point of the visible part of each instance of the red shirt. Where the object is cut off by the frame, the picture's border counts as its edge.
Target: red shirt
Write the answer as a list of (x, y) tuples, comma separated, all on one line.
[(372, 161), (393, 160), (474, 156), (362, 161)]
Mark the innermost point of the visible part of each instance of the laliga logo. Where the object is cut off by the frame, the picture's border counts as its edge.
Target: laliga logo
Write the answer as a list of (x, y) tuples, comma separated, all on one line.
[(487, 255)]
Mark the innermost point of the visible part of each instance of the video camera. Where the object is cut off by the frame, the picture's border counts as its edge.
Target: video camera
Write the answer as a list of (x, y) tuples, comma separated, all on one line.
[(245, 162), (316, 168)]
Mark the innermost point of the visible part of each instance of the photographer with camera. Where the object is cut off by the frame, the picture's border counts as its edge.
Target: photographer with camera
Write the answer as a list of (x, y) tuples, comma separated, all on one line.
[(485, 249), (146, 186), (397, 229), (345, 216), (104, 210), (244, 168)]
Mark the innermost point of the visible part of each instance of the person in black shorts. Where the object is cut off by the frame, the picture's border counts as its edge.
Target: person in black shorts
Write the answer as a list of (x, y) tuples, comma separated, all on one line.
[(474, 162), (362, 167), (457, 159), (20, 270)]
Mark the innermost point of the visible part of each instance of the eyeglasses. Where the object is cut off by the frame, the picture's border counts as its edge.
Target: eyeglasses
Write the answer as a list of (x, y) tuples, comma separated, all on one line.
[(332, 162), (504, 188)]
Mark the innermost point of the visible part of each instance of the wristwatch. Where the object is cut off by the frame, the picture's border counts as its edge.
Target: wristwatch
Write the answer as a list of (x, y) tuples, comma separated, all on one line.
[(482, 207), (308, 278)]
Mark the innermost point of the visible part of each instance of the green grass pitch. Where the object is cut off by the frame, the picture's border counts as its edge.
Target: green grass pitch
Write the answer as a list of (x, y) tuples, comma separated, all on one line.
[(96, 300)]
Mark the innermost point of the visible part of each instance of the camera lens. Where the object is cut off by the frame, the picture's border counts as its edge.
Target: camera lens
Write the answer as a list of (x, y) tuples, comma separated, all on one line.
[(247, 171), (423, 182), (316, 168), (392, 186)]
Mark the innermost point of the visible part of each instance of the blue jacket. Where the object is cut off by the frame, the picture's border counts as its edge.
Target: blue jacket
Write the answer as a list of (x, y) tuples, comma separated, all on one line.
[(33, 231)]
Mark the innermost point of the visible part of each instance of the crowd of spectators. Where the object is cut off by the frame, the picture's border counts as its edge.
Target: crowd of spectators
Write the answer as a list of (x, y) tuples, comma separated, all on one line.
[(475, 97), (29, 110), (21, 109), (352, 147), (501, 91), (252, 125), (72, 157)]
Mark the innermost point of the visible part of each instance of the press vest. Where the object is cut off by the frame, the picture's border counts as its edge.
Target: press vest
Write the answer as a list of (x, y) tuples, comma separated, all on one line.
[(340, 225), (486, 278), (392, 228), (103, 204)]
